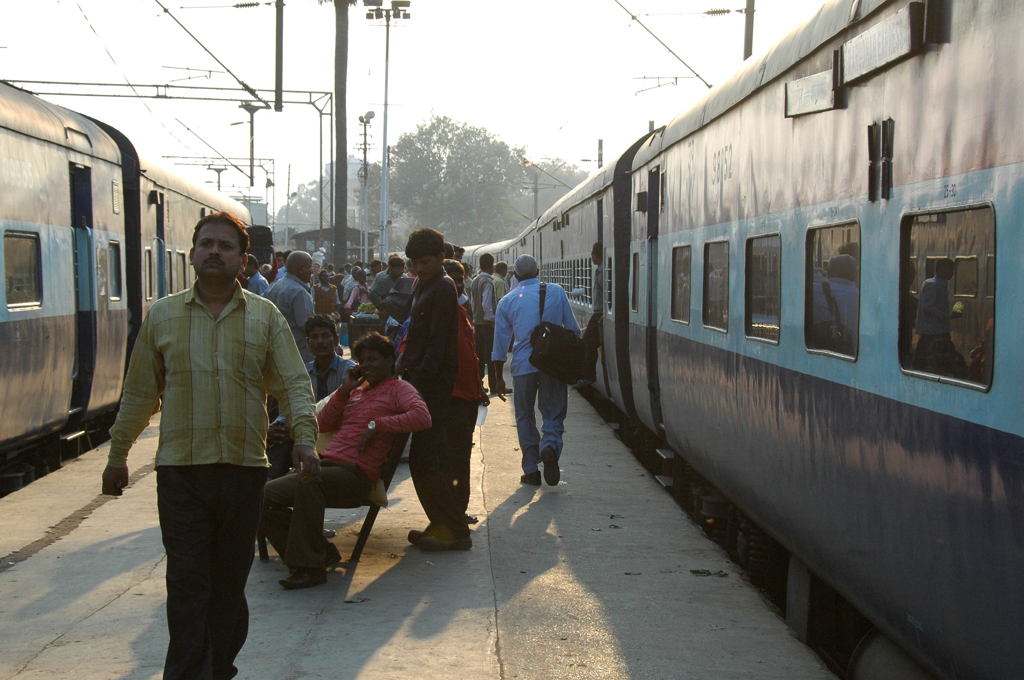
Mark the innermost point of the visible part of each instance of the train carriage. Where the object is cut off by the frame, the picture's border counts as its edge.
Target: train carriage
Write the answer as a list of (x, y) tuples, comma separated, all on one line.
[(90, 238), (63, 235), (766, 278)]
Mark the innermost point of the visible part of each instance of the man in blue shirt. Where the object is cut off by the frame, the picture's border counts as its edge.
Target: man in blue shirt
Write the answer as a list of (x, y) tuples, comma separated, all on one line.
[(293, 296), (517, 315), (257, 282)]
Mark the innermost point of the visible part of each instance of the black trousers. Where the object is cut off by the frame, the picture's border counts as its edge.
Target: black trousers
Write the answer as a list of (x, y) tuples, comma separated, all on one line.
[(208, 520), (460, 447), (428, 463)]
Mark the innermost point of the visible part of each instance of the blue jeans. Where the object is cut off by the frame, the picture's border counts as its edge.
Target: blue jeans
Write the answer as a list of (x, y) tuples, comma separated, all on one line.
[(551, 396)]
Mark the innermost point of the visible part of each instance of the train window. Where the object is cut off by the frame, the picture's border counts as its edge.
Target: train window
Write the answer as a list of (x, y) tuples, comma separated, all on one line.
[(149, 274), (102, 273), (169, 268), (832, 289), (716, 285), (966, 278), (115, 270), (947, 330), (634, 300), (763, 296), (183, 267), (23, 270), (681, 283), (609, 281)]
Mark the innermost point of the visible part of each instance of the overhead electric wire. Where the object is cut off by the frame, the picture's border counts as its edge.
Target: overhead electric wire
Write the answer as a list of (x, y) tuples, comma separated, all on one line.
[(241, 82), (141, 99), (210, 146), (662, 42)]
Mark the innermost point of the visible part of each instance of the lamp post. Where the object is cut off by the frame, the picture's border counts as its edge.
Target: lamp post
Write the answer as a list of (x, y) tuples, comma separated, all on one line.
[(375, 10), (364, 236), (251, 109)]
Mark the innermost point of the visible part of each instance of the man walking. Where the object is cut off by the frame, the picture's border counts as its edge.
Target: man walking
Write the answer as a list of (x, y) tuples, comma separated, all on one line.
[(484, 303), (518, 314), (294, 298), (211, 353)]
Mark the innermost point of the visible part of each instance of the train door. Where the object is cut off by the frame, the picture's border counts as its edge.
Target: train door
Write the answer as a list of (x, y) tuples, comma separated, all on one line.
[(162, 257), (601, 293), (82, 268), (651, 349)]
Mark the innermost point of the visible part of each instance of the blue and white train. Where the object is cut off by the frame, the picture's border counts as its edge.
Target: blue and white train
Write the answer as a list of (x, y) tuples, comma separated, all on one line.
[(883, 136), (90, 237)]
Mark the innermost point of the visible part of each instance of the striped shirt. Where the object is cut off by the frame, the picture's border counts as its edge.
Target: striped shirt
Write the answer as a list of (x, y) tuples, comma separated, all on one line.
[(213, 376)]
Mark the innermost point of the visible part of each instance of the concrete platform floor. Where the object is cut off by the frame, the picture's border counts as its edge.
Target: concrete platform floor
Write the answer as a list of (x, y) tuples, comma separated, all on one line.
[(588, 579)]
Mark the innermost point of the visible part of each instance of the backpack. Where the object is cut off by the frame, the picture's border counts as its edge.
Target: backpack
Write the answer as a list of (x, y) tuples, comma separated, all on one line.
[(398, 300), (557, 351)]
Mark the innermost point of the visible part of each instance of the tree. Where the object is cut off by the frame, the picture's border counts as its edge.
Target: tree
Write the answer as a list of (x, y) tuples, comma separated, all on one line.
[(458, 179)]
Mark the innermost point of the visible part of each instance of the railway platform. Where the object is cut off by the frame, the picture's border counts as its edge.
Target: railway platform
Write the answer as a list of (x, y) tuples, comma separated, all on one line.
[(602, 576)]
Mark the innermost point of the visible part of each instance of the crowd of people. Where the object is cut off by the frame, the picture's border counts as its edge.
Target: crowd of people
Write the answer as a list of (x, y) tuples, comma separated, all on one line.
[(248, 368)]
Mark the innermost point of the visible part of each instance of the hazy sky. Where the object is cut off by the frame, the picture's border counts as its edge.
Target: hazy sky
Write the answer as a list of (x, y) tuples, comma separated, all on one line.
[(551, 75)]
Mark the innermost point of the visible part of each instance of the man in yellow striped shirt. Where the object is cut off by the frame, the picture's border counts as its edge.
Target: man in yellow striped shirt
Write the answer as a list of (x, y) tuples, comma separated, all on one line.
[(212, 353)]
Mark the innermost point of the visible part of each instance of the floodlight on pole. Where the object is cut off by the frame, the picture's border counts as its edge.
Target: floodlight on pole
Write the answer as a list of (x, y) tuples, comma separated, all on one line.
[(376, 10)]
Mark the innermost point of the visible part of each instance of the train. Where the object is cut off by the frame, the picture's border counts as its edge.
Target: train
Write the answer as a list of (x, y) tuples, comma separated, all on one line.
[(92, 235), (874, 142)]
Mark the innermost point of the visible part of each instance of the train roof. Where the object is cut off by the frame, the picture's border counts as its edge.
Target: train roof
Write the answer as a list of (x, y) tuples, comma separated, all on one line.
[(161, 176), (27, 114), (830, 20)]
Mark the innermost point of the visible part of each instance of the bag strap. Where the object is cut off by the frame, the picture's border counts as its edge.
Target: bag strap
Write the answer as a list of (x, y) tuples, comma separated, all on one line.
[(543, 293)]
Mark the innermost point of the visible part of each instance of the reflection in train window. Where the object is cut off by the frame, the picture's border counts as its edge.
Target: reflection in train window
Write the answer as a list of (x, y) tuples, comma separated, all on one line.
[(947, 328), (681, 283), (832, 285), (635, 285), (115, 270), (169, 268), (763, 288), (965, 283), (716, 285), (183, 268), (22, 269), (149, 274)]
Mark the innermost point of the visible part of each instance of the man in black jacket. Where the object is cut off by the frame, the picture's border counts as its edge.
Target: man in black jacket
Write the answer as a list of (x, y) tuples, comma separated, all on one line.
[(430, 362)]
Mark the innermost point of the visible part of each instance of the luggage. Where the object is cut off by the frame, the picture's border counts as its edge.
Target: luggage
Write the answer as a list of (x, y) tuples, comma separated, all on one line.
[(557, 351)]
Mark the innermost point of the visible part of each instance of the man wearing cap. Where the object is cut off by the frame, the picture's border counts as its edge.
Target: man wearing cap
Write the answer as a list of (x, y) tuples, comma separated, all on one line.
[(517, 315)]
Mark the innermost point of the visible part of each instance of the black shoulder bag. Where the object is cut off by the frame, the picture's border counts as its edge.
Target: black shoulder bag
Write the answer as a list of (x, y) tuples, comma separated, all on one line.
[(556, 350)]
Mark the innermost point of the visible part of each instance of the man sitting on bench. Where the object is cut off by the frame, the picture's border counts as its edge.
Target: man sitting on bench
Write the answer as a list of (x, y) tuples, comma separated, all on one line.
[(365, 412)]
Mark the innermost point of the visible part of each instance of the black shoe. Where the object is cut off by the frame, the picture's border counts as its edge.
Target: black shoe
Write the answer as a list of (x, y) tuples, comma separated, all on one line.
[(471, 519), (531, 478), (331, 555), (429, 543), (415, 536), (551, 472), (304, 577)]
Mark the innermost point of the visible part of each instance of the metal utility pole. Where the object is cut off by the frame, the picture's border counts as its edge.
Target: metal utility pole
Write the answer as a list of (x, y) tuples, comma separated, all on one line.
[(364, 235), (748, 36), (251, 109), (279, 61), (398, 10), (287, 206)]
